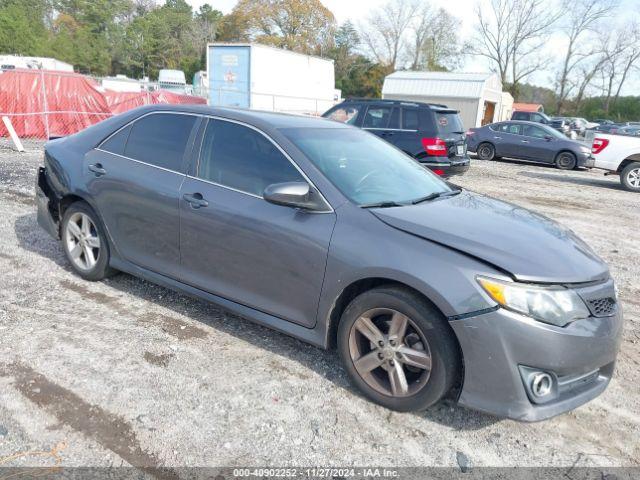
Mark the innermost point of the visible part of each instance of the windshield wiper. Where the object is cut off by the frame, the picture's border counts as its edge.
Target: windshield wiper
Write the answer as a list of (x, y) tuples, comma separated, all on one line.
[(433, 196), (382, 205)]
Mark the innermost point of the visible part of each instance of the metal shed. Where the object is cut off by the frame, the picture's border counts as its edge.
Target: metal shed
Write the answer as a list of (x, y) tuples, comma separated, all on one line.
[(478, 96)]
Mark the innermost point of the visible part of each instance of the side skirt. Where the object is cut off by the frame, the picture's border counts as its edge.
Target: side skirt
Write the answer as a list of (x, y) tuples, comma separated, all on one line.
[(315, 336)]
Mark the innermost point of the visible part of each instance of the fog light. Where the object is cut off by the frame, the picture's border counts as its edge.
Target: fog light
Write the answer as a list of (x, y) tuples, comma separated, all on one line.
[(541, 384)]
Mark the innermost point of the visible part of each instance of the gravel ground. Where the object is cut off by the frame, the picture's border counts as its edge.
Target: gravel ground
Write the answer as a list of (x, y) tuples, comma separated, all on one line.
[(123, 372)]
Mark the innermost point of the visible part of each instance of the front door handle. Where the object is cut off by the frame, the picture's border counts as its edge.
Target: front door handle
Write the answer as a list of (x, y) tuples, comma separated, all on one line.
[(97, 169), (195, 200), (524, 141), (498, 138)]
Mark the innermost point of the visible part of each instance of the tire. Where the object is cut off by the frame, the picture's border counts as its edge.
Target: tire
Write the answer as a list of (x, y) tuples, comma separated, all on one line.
[(427, 334), (566, 161), (85, 243), (630, 177), (486, 151)]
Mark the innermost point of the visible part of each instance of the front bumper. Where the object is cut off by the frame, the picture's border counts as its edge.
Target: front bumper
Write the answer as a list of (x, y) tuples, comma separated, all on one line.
[(501, 346), (448, 167)]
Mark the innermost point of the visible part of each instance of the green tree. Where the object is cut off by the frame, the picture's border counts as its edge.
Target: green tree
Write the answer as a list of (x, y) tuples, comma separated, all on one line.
[(22, 27)]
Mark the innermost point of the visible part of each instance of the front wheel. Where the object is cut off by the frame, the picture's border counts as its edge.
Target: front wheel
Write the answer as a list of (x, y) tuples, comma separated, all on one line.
[(85, 243), (630, 177), (566, 161), (398, 349), (486, 151)]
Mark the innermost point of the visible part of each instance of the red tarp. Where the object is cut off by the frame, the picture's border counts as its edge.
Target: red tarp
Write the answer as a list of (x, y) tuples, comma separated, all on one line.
[(45, 104)]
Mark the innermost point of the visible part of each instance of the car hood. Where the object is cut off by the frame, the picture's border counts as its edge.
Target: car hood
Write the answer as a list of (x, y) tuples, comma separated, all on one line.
[(529, 246)]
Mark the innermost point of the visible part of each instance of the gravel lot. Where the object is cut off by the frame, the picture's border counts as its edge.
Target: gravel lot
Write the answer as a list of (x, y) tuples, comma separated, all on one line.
[(124, 372)]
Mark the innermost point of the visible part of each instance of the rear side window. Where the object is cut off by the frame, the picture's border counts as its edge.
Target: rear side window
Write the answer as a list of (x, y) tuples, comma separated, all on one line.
[(238, 157), (117, 142), (160, 139), (346, 114), (520, 116), (448, 122), (410, 118), (377, 117), (512, 128)]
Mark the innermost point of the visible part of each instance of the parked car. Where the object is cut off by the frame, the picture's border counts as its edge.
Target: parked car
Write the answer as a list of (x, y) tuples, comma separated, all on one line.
[(563, 125), (432, 134), (608, 127), (527, 141), (603, 121), (629, 130), (327, 233), (618, 155)]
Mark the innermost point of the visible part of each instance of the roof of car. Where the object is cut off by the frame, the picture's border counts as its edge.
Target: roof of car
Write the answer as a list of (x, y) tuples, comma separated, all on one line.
[(257, 118), (409, 103)]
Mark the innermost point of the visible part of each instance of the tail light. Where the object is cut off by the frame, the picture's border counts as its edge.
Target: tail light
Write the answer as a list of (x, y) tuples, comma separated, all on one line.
[(435, 146), (469, 132), (437, 171), (599, 144)]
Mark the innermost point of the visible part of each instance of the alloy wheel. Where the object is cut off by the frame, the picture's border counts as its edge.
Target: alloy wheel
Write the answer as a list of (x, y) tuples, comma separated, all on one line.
[(83, 242), (633, 177), (486, 152), (389, 352)]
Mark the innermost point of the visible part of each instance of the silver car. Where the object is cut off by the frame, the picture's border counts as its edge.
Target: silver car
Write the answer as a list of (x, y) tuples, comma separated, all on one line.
[(325, 232)]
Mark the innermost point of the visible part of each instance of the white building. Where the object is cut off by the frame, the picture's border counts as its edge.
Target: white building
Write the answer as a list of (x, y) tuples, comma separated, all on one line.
[(37, 63), (478, 96), (267, 78)]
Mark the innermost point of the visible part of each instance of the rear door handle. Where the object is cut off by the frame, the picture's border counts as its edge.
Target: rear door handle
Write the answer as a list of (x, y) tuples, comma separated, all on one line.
[(498, 138), (524, 141), (97, 170), (195, 200)]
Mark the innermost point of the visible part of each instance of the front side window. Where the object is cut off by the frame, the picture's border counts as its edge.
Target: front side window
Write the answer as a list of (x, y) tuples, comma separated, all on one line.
[(365, 168), (377, 117), (519, 116), (345, 114), (241, 158), (160, 139), (532, 131)]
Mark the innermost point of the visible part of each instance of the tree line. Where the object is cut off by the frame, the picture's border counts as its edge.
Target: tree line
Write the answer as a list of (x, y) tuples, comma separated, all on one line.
[(140, 37)]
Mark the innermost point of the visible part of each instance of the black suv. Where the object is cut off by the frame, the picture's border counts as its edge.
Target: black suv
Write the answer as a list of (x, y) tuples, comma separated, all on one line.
[(431, 133)]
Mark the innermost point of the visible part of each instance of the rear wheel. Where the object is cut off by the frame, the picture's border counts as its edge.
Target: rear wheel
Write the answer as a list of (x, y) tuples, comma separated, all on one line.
[(398, 349), (566, 161), (486, 151), (85, 243), (630, 177)]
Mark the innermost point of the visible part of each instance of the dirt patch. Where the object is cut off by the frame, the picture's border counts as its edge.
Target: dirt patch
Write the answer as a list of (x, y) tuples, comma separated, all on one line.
[(20, 197), (173, 326), (97, 297), (562, 203), (160, 360), (108, 429)]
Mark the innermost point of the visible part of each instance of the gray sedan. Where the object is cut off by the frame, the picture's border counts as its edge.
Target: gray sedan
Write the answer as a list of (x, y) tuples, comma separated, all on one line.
[(328, 233), (528, 141)]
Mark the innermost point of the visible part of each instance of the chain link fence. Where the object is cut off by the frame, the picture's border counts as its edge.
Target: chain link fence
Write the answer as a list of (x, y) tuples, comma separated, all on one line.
[(38, 105)]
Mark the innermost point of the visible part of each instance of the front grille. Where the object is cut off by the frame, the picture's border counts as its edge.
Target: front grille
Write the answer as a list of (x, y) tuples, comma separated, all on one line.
[(603, 307)]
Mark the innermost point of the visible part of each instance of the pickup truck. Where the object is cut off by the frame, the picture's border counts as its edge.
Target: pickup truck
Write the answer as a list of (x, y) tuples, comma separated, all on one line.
[(618, 155)]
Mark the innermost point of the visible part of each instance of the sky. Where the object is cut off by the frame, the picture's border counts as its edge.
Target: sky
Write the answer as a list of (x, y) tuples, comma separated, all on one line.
[(464, 10)]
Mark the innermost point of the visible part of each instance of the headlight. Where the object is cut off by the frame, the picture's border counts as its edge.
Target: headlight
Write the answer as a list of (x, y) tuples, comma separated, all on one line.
[(556, 305)]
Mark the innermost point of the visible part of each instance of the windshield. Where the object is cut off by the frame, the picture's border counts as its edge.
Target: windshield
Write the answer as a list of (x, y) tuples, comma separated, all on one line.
[(366, 169), (448, 122), (553, 132)]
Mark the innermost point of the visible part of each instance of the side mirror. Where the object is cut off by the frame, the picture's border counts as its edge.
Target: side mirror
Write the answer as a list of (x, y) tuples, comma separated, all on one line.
[(294, 194)]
